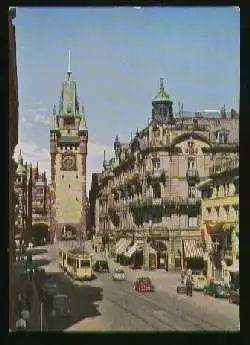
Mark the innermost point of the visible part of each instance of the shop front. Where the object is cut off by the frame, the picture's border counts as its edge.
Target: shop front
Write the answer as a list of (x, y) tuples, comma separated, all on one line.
[(193, 255), (160, 248)]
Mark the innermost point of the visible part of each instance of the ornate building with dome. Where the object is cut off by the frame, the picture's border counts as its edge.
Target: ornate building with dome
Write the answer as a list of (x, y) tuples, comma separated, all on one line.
[(149, 189)]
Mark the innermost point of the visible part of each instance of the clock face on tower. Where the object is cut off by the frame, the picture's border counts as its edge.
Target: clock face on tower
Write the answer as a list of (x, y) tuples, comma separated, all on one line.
[(69, 162)]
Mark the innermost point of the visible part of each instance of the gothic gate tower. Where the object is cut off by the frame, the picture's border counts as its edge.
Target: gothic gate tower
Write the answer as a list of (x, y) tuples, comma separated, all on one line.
[(68, 149)]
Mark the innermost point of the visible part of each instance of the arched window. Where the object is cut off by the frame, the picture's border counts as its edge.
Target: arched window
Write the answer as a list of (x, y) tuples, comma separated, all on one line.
[(157, 191)]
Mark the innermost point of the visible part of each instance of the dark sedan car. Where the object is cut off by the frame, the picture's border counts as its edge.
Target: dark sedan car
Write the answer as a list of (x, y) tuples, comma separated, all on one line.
[(101, 266), (216, 290), (234, 297)]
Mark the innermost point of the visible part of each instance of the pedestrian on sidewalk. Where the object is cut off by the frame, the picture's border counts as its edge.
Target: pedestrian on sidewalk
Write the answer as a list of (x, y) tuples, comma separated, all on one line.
[(20, 302)]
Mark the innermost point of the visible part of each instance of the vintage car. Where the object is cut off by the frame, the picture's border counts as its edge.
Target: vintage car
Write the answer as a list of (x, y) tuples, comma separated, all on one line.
[(118, 275), (61, 306), (199, 281), (234, 297), (216, 289), (101, 266), (144, 284)]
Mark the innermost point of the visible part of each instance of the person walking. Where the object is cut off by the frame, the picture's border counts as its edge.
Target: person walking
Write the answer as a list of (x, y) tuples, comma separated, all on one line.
[(189, 285), (19, 302)]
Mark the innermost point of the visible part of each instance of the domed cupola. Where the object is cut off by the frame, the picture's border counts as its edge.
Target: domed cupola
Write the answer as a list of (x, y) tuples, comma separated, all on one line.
[(162, 105)]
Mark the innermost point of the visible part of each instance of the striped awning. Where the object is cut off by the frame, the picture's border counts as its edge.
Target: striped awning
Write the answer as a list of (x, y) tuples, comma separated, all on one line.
[(122, 248), (117, 245), (192, 249), (131, 250)]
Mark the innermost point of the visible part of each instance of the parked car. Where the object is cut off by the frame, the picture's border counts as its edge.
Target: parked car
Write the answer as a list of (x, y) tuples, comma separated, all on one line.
[(118, 275), (199, 281), (101, 266), (144, 284), (61, 306), (217, 290), (234, 296), (49, 286)]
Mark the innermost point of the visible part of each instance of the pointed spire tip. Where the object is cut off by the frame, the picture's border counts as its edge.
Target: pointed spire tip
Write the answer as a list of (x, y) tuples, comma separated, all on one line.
[(69, 65)]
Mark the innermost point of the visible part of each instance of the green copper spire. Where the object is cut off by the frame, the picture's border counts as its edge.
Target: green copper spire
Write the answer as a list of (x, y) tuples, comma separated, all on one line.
[(161, 96), (69, 105)]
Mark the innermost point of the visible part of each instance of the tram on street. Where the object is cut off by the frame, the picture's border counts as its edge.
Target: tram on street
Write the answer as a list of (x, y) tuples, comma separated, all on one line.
[(78, 264)]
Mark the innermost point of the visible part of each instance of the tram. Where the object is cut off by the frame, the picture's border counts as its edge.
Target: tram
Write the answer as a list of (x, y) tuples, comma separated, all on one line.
[(78, 264), (62, 259)]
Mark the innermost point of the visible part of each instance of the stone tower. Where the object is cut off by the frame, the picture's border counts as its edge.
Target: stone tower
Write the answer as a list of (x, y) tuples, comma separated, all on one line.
[(68, 149)]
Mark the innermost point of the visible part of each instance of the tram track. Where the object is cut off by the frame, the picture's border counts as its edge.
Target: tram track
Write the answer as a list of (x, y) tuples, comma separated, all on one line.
[(195, 322)]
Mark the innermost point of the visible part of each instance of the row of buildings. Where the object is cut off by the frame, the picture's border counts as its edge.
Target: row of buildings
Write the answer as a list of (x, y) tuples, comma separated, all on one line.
[(33, 204), (13, 141), (151, 189)]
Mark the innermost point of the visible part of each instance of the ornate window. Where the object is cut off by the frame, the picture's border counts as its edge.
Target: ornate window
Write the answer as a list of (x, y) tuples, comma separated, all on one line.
[(156, 163), (192, 221), (236, 210), (191, 163), (217, 212), (191, 192), (226, 212), (157, 191), (209, 212)]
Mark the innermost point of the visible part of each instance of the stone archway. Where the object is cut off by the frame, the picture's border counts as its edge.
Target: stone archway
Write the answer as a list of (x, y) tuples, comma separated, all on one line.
[(40, 233)]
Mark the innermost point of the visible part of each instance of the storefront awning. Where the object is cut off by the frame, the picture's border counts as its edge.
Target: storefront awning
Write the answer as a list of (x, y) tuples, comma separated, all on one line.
[(122, 248), (192, 249), (213, 226), (117, 245), (204, 183), (234, 268), (131, 250)]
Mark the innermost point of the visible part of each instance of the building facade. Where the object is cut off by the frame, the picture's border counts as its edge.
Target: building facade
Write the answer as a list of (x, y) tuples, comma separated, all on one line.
[(93, 203), (220, 219), (21, 190), (13, 132), (149, 188), (40, 201), (68, 149), (13, 141)]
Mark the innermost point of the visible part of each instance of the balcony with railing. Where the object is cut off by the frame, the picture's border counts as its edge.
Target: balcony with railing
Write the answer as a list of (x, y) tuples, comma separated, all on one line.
[(224, 166), (192, 176)]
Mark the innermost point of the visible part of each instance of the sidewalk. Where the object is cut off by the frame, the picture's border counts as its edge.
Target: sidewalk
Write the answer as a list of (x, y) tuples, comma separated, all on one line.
[(34, 323)]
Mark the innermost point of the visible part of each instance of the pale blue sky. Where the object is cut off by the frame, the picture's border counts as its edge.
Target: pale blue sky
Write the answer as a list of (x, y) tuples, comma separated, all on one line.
[(117, 58)]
